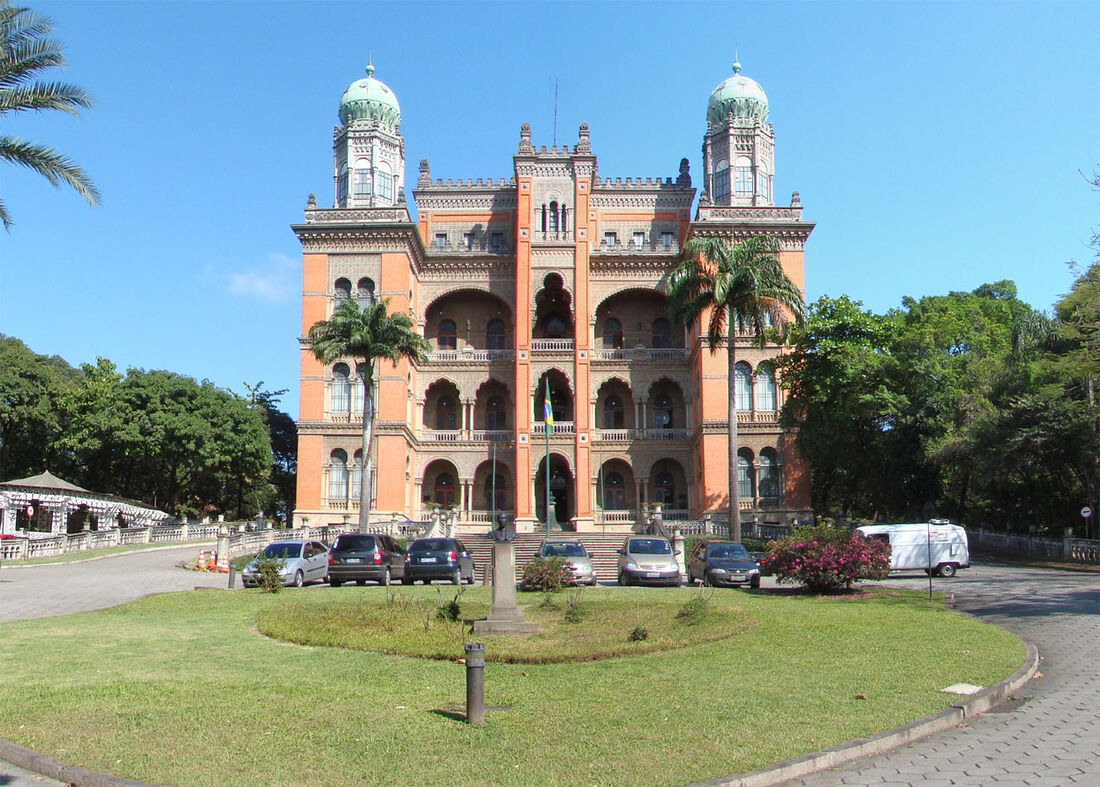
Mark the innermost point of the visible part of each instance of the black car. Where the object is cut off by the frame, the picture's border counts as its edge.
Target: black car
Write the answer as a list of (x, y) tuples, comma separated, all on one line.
[(357, 557), (723, 563), (438, 558)]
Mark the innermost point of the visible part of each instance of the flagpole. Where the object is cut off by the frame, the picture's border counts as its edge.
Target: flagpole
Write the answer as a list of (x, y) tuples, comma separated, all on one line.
[(548, 424), (493, 521)]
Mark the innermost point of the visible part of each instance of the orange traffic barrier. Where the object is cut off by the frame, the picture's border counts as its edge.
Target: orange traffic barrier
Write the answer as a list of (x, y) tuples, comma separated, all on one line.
[(212, 562), (223, 563), (200, 564)]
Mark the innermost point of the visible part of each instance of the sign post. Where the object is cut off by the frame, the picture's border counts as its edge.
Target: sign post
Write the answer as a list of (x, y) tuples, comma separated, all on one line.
[(1086, 513)]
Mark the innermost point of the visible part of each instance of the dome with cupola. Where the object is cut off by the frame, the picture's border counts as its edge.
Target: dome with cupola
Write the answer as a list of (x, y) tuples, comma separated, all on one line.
[(739, 96), (372, 100)]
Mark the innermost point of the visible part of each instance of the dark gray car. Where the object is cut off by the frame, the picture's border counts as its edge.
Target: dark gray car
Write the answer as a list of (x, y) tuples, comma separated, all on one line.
[(358, 557), (723, 563), (438, 558)]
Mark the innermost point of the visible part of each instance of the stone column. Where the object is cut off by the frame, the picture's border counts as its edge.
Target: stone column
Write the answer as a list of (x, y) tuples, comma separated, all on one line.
[(678, 545), (506, 617), (223, 543)]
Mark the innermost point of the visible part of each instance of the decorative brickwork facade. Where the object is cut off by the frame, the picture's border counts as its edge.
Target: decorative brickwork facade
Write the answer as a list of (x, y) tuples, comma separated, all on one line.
[(551, 279)]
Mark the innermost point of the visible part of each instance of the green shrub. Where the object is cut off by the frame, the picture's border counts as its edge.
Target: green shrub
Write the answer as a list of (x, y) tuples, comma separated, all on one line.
[(827, 560), (694, 610), (546, 574), (450, 611), (574, 612), (270, 581), (638, 634)]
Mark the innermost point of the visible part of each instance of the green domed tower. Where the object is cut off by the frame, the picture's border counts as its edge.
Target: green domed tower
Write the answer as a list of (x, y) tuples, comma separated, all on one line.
[(739, 146), (368, 149)]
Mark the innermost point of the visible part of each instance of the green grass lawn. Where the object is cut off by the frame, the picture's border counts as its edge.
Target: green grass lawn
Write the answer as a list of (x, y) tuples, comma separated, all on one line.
[(184, 689)]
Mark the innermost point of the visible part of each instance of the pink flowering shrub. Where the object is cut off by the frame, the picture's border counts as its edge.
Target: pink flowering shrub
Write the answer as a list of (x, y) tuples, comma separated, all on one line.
[(827, 560)]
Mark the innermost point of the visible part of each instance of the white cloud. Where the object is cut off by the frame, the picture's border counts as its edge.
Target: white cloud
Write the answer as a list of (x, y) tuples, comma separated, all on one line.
[(277, 279)]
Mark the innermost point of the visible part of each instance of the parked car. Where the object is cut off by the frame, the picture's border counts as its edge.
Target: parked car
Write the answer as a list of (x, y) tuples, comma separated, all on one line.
[(357, 557), (723, 563), (648, 560), (438, 558), (300, 562), (573, 553)]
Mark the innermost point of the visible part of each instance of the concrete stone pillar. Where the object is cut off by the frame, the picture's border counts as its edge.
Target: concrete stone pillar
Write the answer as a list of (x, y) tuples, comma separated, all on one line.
[(506, 617), (678, 546), (223, 543)]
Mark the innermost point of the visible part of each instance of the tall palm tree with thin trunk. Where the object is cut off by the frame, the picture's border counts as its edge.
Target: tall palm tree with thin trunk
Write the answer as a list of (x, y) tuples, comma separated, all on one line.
[(367, 335), (737, 289), (26, 50)]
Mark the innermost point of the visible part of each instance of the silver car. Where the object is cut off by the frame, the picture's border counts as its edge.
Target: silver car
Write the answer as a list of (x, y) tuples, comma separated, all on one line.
[(573, 553), (299, 562), (648, 560)]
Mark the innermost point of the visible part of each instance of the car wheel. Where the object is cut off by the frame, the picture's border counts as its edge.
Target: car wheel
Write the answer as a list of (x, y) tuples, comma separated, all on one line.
[(947, 570), (299, 579), (426, 581), (470, 581), (385, 580), (755, 583), (622, 579), (334, 582), (456, 577), (406, 580), (705, 579), (360, 582), (592, 581)]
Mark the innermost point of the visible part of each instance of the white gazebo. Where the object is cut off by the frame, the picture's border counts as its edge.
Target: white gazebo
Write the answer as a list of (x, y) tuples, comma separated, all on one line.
[(51, 506)]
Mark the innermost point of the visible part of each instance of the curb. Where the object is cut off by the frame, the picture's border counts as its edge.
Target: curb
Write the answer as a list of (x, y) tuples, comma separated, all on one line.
[(950, 717), (30, 760)]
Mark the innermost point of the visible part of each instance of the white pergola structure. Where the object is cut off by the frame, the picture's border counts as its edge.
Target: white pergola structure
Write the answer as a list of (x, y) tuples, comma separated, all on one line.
[(51, 506)]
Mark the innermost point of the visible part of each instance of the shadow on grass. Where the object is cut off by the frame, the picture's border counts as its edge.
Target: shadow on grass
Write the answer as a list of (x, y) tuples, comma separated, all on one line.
[(454, 714)]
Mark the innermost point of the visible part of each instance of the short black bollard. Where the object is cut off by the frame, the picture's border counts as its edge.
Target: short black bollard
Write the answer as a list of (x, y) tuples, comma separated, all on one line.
[(475, 683), (232, 575)]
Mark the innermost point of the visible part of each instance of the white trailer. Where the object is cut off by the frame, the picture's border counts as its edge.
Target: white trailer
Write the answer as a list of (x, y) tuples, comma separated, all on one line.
[(935, 546)]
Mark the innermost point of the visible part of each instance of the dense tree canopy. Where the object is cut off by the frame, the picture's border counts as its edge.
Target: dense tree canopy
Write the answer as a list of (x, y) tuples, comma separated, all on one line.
[(970, 404), (185, 447)]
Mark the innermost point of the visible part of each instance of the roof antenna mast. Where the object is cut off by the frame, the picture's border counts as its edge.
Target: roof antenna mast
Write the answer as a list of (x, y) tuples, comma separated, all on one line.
[(555, 111)]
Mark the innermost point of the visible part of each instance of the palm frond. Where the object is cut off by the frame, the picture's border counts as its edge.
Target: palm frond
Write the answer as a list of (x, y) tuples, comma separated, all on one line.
[(43, 96), (50, 164)]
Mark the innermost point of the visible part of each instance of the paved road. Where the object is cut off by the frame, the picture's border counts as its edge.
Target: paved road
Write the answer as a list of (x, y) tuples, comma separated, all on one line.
[(1050, 735)]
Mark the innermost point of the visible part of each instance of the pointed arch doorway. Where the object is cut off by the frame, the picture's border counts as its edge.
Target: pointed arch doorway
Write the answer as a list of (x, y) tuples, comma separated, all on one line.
[(562, 492)]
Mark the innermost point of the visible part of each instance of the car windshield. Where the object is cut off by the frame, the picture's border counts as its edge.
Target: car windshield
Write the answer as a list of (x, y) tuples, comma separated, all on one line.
[(563, 549), (728, 552), (430, 545), (279, 551), (354, 542), (649, 546)]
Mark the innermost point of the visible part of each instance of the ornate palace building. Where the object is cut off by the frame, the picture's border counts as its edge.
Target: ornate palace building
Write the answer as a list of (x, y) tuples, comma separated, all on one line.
[(551, 279)]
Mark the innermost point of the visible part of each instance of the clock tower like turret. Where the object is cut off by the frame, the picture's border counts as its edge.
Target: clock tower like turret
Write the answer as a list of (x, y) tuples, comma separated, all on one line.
[(368, 149)]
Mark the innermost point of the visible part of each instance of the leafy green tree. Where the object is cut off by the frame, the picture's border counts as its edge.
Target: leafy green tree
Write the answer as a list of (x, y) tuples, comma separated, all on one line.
[(26, 50), (283, 433), (737, 289), (366, 335)]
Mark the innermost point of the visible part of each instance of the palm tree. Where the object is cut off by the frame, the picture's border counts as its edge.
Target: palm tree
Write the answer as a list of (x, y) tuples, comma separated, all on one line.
[(26, 50), (739, 288), (366, 335)]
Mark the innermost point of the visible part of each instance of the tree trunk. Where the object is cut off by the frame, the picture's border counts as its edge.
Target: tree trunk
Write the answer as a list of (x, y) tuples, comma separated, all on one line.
[(368, 432), (735, 503)]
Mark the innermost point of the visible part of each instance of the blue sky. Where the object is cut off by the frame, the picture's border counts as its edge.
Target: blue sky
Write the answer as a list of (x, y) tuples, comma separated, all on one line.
[(936, 145)]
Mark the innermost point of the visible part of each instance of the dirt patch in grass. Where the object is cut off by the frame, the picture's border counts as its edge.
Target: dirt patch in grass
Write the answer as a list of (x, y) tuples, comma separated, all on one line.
[(571, 627)]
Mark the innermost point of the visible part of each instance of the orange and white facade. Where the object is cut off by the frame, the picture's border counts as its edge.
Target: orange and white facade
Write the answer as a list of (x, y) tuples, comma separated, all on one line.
[(552, 279)]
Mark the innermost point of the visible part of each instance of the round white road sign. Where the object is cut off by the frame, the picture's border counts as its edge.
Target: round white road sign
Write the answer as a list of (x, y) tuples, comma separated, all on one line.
[(1086, 512)]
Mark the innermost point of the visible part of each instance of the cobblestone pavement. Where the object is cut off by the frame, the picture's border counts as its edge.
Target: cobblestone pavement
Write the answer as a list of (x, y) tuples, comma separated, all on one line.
[(1050, 733)]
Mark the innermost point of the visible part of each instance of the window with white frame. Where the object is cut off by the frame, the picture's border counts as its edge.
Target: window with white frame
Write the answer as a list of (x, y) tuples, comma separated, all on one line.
[(385, 185), (769, 474), (765, 389), (440, 240), (743, 177), (610, 239), (357, 475), (667, 239), (468, 240), (638, 239), (362, 179), (338, 475), (743, 387), (341, 388), (721, 184), (342, 184), (744, 475)]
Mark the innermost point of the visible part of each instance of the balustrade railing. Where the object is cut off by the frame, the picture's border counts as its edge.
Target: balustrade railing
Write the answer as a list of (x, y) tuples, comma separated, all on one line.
[(558, 427), (551, 345), (440, 435), (470, 355), (491, 435), (758, 416), (641, 354)]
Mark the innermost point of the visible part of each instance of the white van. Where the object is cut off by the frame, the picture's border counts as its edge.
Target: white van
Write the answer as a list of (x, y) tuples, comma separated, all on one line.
[(937, 545)]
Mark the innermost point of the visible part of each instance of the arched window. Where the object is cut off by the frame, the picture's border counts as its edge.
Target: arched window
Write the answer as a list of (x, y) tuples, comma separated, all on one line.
[(447, 338), (357, 388), (446, 413), (742, 176), (494, 335), (384, 185), (553, 224), (662, 333), (744, 477), (612, 334), (664, 488), (765, 389), (341, 388), (613, 416), (495, 416), (743, 383), (501, 491), (362, 179), (769, 475), (357, 475), (662, 412), (365, 292), (342, 185), (342, 289), (556, 327), (721, 181), (564, 218), (338, 475), (444, 492), (762, 185), (614, 492)]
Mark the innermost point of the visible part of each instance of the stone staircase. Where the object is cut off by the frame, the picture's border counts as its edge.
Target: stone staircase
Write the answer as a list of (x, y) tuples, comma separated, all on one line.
[(601, 547)]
